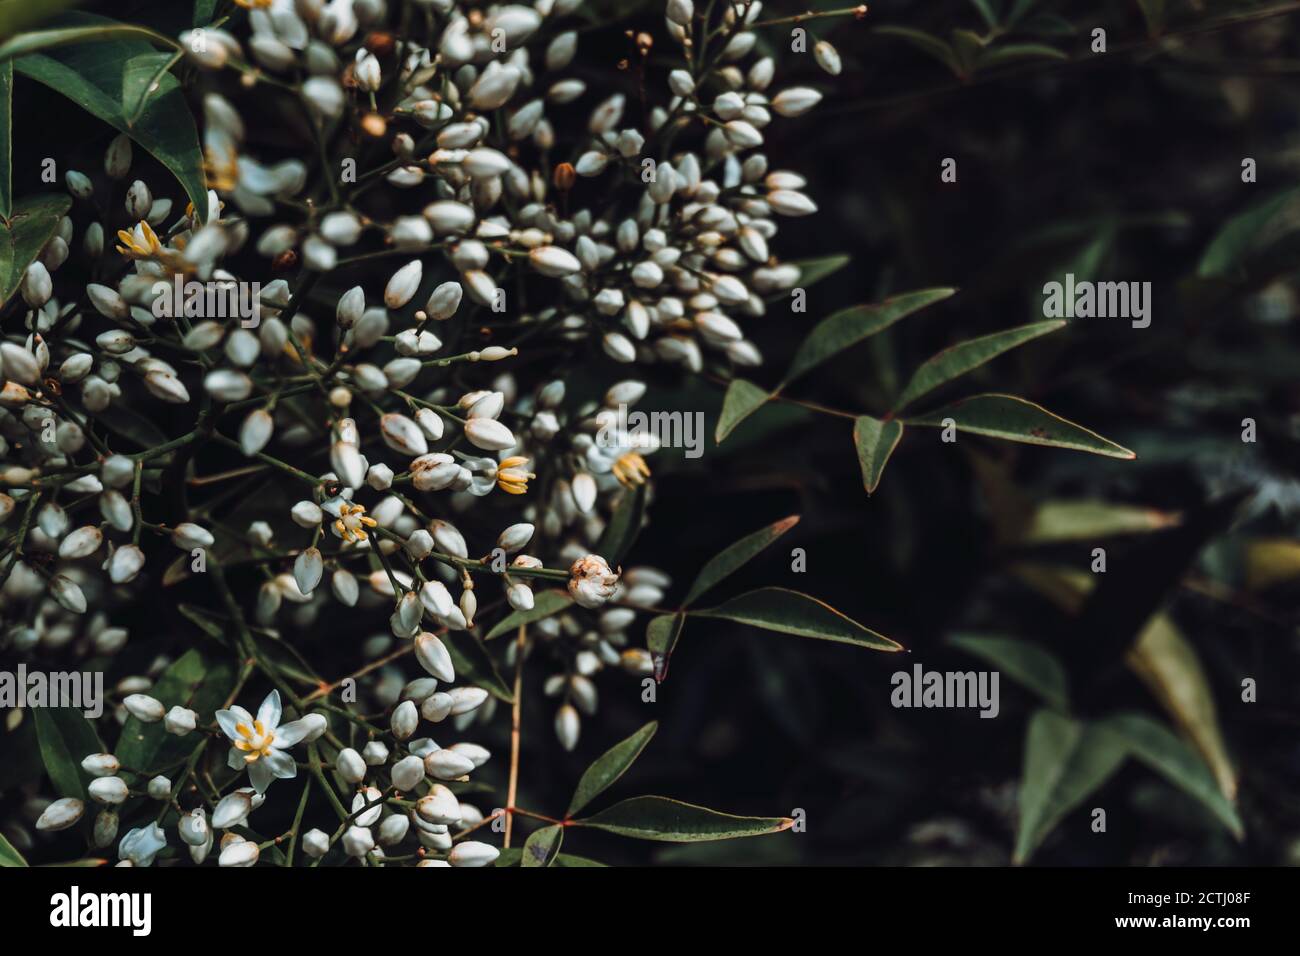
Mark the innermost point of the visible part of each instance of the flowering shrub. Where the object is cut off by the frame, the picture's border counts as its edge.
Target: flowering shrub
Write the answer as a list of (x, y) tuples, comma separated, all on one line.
[(335, 347)]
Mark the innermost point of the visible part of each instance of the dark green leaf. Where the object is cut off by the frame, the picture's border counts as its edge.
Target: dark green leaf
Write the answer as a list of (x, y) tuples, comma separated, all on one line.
[(1164, 752), (1016, 419), (204, 12), (845, 329), (875, 441), (545, 603), (474, 664), (1248, 233), (1018, 52), (661, 636), (927, 43), (671, 821), (1024, 662), (17, 15), (1065, 760), (624, 526), (791, 612), (812, 271), (194, 681), (91, 75), (6, 139), (146, 76), (742, 400), (66, 738), (542, 846), (965, 356), (205, 621), (513, 855), (8, 855), (103, 30), (734, 557), (609, 766), (33, 222)]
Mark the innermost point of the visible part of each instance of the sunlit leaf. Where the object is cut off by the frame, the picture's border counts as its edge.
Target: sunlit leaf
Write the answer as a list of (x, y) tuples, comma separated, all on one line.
[(672, 821), (791, 612), (1090, 520), (1015, 419), (875, 441), (609, 766), (1172, 671)]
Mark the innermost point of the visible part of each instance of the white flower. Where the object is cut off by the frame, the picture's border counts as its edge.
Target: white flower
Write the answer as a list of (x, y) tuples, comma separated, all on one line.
[(142, 844), (591, 582), (260, 742)]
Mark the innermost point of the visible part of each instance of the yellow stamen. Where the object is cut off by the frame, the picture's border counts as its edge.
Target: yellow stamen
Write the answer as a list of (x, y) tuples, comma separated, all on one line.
[(631, 470)]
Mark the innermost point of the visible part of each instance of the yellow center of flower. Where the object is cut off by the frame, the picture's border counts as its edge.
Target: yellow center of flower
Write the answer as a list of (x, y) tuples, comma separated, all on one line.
[(255, 742), (630, 469), (512, 476), (353, 522)]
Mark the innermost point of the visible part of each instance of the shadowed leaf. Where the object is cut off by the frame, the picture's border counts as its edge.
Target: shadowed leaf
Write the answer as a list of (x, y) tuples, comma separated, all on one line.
[(1015, 419), (733, 558), (964, 356), (742, 400), (33, 222), (791, 612), (609, 766), (875, 441), (1026, 663), (672, 821), (545, 603), (542, 846)]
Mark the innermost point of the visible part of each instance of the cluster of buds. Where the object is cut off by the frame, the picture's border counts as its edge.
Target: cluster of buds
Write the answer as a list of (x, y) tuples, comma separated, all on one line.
[(380, 399)]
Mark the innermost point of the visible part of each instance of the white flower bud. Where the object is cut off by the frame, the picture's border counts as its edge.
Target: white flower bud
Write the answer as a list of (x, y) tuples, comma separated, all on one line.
[(101, 765), (241, 854), (60, 815), (188, 536), (109, 790), (827, 57), (567, 726), (465, 699), (434, 657), (308, 568), (447, 765), (180, 721), (81, 543), (142, 707), (403, 285), (350, 765), (160, 788), (436, 707), (472, 853), (123, 566), (439, 806), (315, 843), (407, 773)]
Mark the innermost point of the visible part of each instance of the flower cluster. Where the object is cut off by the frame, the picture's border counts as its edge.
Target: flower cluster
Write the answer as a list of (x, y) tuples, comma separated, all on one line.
[(361, 329)]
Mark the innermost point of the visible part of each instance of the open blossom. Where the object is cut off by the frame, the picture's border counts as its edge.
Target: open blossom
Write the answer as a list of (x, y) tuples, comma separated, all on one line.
[(261, 743), (591, 582)]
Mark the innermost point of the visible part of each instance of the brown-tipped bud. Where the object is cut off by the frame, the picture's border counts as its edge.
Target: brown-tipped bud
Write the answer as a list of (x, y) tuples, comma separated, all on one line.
[(564, 177)]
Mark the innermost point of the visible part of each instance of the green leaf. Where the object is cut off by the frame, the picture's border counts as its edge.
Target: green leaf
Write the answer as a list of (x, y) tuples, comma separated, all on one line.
[(1088, 520), (474, 664), (145, 76), (131, 425), (624, 526), (193, 680), (733, 558), (1065, 760), (204, 620), (742, 400), (103, 30), (542, 846), (33, 222), (91, 75), (545, 603), (66, 738), (964, 356), (17, 15), (986, 12), (967, 47), (1019, 52), (875, 441), (609, 766), (812, 271), (1016, 419), (6, 139), (8, 855), (661, 636), (792, 612), (672, 821), (847, 328), (927, 43), (1026, 663), (1161, 749), (1164, 660), (204, 12), (1248, 233)]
